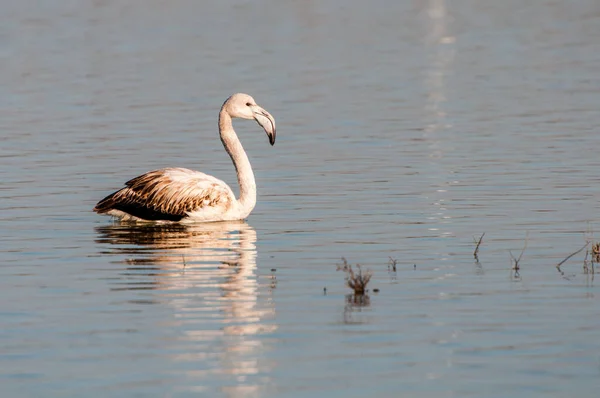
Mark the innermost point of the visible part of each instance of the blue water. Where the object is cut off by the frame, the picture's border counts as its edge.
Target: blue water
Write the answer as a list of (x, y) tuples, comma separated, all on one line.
[(405, 130)]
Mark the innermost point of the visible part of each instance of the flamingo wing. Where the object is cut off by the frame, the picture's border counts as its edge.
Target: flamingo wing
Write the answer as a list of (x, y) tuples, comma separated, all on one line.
[(167, 194)]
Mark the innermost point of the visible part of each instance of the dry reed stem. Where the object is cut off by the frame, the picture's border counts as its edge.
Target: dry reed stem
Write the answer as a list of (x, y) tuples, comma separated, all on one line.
[(478, 244), (571, 255), (516, 266), (393, 262), (356, 281)]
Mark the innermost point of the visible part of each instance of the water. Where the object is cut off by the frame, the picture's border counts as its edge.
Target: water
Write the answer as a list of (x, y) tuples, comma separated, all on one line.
[(406, 129)]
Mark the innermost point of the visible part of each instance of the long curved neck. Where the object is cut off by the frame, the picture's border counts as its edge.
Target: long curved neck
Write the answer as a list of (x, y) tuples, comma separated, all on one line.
[(245, 175)]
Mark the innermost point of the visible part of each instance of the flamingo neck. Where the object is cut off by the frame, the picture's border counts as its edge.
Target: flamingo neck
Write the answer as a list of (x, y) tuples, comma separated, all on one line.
[(245, 175)]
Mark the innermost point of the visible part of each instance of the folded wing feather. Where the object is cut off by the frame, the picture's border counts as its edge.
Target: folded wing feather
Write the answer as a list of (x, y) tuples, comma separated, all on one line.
[(168, 194)]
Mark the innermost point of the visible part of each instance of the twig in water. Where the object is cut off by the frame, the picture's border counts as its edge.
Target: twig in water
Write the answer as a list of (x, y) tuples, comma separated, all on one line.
[(517, 260), (515, 264), (586, 269), (344, 266), (356, 281), (392, 263), (571, 255), (359, 281), (478, 244), (516, 267)]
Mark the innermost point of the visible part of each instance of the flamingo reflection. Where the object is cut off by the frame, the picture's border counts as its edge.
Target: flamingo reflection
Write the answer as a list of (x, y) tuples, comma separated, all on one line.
[(207, 274)]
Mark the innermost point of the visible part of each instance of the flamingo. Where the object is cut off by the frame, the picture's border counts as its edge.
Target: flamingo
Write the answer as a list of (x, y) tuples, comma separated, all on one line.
[(188, 196)]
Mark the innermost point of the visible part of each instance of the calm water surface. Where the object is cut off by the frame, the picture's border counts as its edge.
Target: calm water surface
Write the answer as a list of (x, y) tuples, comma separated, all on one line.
[(405, 129)]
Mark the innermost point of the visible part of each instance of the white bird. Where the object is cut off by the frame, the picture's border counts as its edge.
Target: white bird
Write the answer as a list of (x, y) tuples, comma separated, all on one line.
[(183, 195)]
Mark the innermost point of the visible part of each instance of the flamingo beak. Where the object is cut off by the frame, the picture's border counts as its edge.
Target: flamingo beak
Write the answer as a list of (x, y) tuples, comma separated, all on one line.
[(266, 121)]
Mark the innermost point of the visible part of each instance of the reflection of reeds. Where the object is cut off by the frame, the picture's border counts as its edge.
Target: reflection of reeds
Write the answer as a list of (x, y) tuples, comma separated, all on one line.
[(356, 281), (358, 300)]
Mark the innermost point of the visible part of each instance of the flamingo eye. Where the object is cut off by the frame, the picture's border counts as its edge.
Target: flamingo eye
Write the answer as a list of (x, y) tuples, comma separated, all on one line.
[(248, 104)]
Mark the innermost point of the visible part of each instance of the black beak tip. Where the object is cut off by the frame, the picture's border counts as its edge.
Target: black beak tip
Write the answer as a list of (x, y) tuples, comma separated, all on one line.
[(272, 139)]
